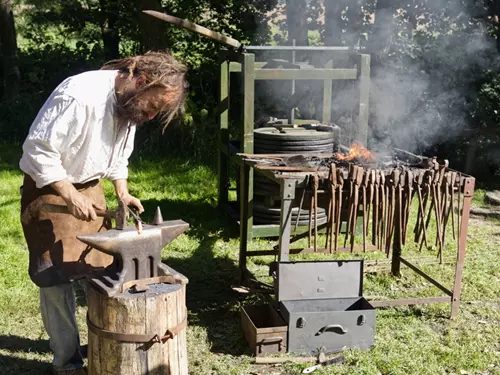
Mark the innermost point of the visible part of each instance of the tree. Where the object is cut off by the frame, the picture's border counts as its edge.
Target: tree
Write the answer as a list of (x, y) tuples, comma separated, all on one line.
[(8, 49), (109, 28), (153, 31), (296, 19)]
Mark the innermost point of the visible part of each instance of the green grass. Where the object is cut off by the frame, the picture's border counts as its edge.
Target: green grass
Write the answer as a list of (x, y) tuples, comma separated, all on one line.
[(409, 340)]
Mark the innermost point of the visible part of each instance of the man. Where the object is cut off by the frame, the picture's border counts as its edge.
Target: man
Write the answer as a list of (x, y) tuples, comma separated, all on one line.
[(84, 133)]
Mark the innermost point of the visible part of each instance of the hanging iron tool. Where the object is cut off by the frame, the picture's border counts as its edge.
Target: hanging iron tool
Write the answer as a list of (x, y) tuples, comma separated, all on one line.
[(338, 214)]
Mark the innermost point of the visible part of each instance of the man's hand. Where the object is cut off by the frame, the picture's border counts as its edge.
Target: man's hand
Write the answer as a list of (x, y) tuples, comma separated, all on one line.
[(130, 200), (122, 193), (78, 204), (82, 207)]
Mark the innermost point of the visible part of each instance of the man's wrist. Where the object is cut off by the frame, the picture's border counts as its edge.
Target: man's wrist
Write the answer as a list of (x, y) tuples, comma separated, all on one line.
[(64, 188), (121, 189)]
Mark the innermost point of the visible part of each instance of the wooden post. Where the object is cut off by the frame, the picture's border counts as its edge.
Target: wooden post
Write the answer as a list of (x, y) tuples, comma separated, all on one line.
[(120, 325), (223, 136), (364, 97), (327, 96), (244, 220), (247, 142)]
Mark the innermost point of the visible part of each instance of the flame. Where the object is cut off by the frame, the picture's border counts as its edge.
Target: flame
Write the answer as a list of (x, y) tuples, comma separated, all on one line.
[(356, 151)]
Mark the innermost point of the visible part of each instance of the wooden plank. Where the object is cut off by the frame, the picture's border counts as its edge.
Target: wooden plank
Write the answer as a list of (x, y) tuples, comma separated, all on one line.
[(284, 168), (235, 67), (305, 74)]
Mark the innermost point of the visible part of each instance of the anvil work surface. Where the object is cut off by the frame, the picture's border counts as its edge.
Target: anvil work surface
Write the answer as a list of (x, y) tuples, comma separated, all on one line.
[(415, 341)]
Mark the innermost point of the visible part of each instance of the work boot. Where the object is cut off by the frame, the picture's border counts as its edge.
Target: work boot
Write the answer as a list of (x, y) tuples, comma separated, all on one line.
[(78, 371)]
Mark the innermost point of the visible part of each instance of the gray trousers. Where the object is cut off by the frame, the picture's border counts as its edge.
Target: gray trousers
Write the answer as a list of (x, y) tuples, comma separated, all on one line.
[(58, 307)]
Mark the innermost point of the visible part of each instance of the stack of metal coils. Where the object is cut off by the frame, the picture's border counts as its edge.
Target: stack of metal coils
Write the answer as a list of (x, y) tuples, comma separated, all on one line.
[(287, 139)]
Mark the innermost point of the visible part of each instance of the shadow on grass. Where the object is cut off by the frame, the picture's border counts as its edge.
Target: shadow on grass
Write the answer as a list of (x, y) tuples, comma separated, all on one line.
[(16, 343), (22, 366), (210, 300)]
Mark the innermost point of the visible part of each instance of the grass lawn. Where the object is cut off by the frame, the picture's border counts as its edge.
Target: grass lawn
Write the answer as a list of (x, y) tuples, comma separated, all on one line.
[(409, 340)]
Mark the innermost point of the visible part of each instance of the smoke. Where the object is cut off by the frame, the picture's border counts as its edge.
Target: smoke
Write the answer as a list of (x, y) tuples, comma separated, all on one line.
[(425, 94), (426, 62)]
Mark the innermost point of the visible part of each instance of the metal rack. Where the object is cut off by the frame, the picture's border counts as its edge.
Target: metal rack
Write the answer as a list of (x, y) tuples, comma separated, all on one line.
[(245, 64), (289, 182)]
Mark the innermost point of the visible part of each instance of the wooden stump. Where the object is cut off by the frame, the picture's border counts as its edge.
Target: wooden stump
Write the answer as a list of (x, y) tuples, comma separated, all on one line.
[(122, 328)]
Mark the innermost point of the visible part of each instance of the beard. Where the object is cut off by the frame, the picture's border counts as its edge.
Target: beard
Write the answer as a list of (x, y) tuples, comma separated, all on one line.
[(128, 108)]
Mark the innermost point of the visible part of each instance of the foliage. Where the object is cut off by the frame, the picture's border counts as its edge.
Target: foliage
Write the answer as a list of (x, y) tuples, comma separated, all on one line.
[(64, 38), (438, 61)]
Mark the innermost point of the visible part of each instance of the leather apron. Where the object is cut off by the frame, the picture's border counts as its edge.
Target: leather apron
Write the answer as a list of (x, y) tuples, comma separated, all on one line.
[(56, 256)]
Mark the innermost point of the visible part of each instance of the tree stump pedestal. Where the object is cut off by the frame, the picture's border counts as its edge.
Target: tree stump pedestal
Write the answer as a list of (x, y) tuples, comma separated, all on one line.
[(140, 331)]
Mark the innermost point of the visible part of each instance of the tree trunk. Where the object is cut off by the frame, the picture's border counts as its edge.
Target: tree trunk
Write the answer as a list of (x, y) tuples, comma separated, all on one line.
[(8, 49), (153, 31), (383, 28), (109, 30), (333, 23), (354, 23), (493, 7), (296, 19)]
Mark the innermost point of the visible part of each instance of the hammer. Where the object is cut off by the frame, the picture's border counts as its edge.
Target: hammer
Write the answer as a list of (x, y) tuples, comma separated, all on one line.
[(121, 214)]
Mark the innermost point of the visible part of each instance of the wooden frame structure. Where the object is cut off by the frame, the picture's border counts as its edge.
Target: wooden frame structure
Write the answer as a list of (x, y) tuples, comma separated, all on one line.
[(245, 64)]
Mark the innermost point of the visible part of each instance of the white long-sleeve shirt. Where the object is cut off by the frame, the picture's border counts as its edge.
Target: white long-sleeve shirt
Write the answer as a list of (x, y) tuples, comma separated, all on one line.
[(76, 136)]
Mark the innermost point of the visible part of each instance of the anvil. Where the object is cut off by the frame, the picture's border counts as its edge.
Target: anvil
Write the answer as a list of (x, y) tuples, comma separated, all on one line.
[(136, 256)]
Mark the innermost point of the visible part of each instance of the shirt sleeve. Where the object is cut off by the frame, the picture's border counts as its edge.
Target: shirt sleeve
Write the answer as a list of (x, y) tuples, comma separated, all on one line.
[(119, 170), (58, 124)]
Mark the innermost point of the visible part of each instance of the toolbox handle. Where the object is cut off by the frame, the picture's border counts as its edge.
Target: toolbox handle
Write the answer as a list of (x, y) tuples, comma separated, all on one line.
[(271, 340), (332, 327)]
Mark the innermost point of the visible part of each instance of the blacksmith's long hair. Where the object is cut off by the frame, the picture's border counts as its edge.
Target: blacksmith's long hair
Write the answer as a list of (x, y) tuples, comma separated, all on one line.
[(163, 73)]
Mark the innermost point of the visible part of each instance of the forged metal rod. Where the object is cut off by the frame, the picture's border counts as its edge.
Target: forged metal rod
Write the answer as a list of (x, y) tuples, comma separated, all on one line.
[(383, 211), (429, 185), (315, 187), (306, 182), (366, 210), (329, 215), (357, 183), (421, 209), (350, 177), (340, 182), (407, 203), (461, 184), (439, 213), (422, 183), (452, 205), (391, 182), (445, 207), (374, 189), (331, 207)]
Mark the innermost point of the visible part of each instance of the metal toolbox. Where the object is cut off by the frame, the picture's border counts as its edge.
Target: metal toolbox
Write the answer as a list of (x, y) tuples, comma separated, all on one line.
[(264, 329), (321, 303)]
